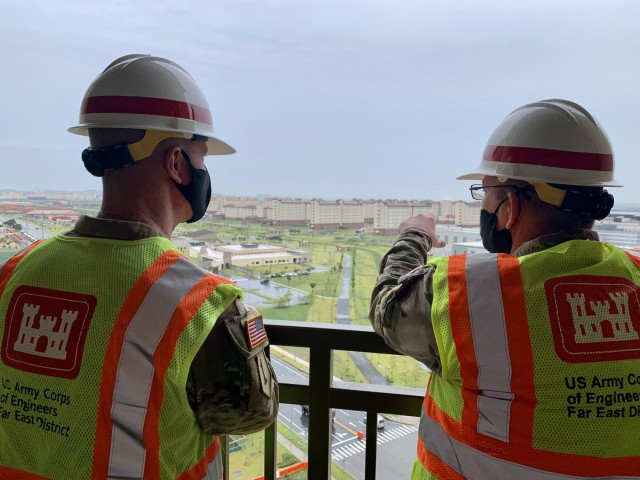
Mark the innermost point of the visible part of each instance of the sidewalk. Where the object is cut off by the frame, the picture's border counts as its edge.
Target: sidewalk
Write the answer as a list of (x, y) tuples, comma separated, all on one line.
[(286, 443), (289, 445), (282, 351)]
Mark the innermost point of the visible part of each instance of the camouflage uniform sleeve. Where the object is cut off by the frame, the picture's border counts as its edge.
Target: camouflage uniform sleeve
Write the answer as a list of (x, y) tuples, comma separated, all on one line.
[(211, 384), (401, 300)]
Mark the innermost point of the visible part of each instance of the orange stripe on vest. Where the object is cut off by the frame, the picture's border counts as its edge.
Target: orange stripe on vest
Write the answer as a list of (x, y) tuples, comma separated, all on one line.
[(436, 466), (520, 353), (461, 331), (8, 267), (161, 359), (104, 425)]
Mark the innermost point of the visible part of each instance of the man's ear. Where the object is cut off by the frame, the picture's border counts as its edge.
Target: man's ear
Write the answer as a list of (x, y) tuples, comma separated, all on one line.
[(175, 165), (514, 209)]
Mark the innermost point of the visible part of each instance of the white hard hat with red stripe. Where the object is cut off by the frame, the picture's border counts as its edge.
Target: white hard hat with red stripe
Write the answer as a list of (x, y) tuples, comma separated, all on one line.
[(551, 141), (149, 93)]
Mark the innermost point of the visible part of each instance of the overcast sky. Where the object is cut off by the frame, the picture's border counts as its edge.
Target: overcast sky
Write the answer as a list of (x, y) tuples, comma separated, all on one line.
[(327, 98)]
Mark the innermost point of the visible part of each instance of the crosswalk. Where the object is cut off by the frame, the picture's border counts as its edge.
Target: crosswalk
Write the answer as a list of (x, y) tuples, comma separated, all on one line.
[(356, 447)]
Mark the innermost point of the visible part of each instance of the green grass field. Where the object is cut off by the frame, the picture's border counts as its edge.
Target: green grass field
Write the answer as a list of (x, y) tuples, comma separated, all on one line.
[(5, 254)]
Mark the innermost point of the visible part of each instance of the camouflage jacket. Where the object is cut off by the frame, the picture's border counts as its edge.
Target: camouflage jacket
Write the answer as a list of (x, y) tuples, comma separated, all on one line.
[(401, 300), (212, 387)]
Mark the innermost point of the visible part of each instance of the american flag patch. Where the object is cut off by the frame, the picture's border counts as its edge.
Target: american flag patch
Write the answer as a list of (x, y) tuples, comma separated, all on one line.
[(256, 333)]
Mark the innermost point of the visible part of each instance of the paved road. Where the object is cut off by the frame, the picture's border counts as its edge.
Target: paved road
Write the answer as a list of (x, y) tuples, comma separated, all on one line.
[(361, 361)]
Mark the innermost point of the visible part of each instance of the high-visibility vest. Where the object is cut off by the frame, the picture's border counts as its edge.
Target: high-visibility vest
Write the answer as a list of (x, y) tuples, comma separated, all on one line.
[(540, 366), (97, 339)]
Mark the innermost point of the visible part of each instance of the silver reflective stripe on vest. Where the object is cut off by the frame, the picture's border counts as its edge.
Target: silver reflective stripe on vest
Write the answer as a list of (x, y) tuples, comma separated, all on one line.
[(635, 253), (135, 368), (490, 343), (215, 469), (474, 465)]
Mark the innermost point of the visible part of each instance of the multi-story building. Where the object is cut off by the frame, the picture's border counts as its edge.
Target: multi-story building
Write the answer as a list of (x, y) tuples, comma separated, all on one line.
[(384, 216), (326, 215), (11, 195), (219, 201), (337, 214), (238, 212), (369, 212), (389, 213), (353, 214), (466, 214), (286, 211)]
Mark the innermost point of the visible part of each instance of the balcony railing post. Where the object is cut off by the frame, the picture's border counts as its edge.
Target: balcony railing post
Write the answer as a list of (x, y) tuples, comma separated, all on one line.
[(224, 444), (320, 378), (270, 452), (371, 446)]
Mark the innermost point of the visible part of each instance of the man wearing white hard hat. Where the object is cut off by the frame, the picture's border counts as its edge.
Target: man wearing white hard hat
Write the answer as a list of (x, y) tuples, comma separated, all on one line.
[(120, 357), (534, 348)]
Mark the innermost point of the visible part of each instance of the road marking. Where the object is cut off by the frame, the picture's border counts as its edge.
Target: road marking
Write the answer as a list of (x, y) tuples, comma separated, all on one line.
[(284, 365), (355, 447), (352, 432)]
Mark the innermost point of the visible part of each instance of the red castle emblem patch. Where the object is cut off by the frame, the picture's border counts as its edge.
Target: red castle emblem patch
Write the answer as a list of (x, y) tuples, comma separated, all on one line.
[(594, 318), (45, 331)]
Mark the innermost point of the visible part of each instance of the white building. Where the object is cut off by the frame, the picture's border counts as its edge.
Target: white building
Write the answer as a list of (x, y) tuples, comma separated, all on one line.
[(242, 255)]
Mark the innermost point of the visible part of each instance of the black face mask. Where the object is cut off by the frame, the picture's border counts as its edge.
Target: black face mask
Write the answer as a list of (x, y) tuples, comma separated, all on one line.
[(198, 192), (495, 241)]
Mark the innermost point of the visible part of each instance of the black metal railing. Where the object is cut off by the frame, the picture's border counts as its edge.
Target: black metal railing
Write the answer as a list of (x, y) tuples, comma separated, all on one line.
[(323, 393)]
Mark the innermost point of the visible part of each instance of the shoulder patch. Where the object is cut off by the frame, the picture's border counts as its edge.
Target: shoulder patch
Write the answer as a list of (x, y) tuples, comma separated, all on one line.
[(256, 334)]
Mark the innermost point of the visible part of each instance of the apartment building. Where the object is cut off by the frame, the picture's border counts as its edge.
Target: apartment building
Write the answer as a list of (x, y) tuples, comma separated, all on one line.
[(11, 195), (286, 211), (389, 213), (238, 212), (326, 215), (369, 212), (466, 214), (337, 214), (219, 201), (384, 216)]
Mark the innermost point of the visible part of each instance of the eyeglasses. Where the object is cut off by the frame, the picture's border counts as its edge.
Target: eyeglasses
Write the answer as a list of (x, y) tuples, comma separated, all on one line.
[(478, 191)]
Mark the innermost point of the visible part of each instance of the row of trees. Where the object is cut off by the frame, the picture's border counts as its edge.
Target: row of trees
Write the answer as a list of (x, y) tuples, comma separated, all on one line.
[(12, 224)]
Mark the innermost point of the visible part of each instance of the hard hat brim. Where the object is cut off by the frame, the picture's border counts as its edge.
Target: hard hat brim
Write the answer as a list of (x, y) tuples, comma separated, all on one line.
[(215, 146), (534, 173), (473, 176)]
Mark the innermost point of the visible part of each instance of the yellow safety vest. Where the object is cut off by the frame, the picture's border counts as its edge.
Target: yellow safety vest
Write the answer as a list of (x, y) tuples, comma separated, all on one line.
[(540, 366), (97, 339)]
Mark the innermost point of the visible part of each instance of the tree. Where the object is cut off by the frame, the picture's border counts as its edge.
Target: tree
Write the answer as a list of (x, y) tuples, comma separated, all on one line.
[(12, 224), (307, 299), (284, 300), (313, 285)]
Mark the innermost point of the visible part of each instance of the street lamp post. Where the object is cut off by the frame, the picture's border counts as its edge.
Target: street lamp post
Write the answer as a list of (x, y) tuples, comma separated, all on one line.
[(384, 367)]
